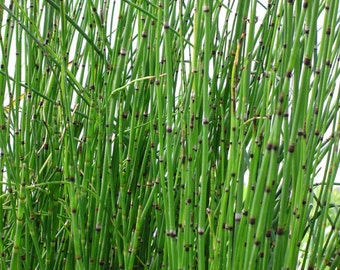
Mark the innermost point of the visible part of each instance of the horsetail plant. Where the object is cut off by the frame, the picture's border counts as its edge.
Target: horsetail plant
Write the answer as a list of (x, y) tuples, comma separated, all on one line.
[(169, 134)]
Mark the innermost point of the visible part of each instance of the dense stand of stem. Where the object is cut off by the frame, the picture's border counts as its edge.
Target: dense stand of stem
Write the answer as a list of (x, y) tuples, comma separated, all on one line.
[(169, 134)]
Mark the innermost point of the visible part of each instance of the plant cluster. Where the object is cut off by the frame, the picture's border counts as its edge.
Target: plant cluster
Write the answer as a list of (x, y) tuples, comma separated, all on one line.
[(169, 134)]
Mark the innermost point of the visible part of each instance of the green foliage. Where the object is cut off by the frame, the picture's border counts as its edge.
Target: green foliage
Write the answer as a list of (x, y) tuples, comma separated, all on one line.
[(169, 134)]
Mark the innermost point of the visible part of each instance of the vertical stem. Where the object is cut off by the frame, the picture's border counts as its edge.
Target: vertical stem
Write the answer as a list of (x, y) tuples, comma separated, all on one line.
[(170, 87), (205, 139)]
